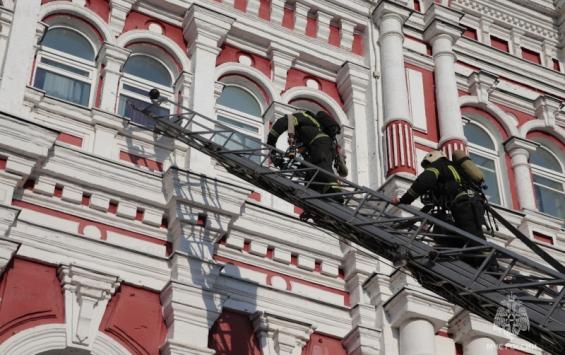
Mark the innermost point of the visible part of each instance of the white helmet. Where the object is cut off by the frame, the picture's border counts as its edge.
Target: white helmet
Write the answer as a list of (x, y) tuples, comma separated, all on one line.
[(432, 156)]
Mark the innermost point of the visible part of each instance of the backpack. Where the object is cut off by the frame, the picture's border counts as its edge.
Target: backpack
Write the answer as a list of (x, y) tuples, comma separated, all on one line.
[(327, 124)]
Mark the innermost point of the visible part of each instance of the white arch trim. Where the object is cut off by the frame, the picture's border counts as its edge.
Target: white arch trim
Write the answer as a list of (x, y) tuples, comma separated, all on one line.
[(152, 37), (250, 72), (83, 12), (303, 92), (541, 125), (502, 117), (54, 337)]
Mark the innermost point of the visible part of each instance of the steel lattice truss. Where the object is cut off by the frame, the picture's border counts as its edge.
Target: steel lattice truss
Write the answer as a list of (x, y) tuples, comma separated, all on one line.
[(402, 234)]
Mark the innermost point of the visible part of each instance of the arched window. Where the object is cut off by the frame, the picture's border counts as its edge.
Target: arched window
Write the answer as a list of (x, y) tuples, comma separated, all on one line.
[(65, 65), (485, 153), (549, 183), (141, 73), (239, 109)]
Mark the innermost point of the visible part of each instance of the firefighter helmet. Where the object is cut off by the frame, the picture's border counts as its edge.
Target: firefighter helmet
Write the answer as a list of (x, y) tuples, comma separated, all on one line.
[(431, 157)]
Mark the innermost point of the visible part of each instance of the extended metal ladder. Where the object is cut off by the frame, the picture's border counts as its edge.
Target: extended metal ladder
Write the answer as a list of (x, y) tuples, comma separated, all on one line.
[(438, 254)]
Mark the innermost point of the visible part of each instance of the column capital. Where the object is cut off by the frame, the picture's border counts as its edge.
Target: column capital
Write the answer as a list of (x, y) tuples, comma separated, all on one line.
[(352, 82), (481, 84), (547, 108), (86, 295), (277, 109), (516, 143), (8, 216), (184, 80), (205, 26), (466, 327), (110, 53), (414, 304), (282, 53), (284, 335), (391, 8)]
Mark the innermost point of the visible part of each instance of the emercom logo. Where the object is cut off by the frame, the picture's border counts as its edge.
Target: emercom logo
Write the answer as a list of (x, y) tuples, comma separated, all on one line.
[(512, 316)]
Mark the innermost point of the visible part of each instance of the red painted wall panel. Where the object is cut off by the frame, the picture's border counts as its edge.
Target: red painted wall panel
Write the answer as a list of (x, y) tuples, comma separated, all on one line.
[(141, 161), (508, 351), (499, 43), (321, 344), (138, 21), (288, 18), (3, 162), (240, 5), (311, 26), (232, 334), (231, 54), (556, 65), (134, 318), (265, 9), (297, 77), (358, 43), (101, 7), (531, 56), (70, 139), (470, 33), (31, 295), (334, 35)]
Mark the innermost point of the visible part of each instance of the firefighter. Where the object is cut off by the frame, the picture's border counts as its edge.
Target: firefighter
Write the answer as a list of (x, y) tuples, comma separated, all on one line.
[(315, 134), (443, 181)]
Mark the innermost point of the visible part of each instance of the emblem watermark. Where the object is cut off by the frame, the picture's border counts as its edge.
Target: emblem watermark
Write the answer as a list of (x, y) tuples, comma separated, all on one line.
[(511, 317)]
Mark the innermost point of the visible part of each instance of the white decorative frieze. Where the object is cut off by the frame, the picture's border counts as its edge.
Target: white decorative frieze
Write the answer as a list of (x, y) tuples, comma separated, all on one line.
[(279, 335), (86, 294)]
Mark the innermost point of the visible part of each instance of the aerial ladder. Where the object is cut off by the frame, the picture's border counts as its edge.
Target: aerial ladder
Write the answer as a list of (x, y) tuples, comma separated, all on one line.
[(405, 235)]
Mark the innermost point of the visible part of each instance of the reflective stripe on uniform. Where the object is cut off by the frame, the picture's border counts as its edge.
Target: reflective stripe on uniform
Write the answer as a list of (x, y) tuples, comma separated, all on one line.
[(435, 171), (314, 121), (274, 133), (455, 174), (319, 135), (412, 193)]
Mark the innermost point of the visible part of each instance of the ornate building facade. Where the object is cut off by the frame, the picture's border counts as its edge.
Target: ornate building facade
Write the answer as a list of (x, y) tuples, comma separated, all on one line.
[(116, 240)]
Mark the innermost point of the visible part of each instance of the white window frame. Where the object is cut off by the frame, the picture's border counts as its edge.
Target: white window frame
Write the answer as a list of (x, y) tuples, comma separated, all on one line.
[(553, 175), (493, 155), (69, 60), (146, 85)]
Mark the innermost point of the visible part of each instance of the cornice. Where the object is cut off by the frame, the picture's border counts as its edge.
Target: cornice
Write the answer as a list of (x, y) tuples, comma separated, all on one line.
[(508, 14)]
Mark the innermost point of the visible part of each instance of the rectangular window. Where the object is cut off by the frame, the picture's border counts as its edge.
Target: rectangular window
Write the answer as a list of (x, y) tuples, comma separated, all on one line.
[(531, 56), (130, 108), (62, 87), (499, 44), (550, 198)]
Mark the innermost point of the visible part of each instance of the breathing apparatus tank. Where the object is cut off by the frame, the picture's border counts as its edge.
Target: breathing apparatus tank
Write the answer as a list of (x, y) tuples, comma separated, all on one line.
[(475, 174)]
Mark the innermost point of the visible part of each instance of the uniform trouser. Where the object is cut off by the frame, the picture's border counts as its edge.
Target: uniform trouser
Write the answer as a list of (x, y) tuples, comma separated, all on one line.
[(320, 153), (469, 215)]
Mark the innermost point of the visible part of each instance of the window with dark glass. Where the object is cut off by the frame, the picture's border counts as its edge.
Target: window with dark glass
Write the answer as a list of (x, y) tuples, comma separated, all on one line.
[(549, 183), (65, 66)]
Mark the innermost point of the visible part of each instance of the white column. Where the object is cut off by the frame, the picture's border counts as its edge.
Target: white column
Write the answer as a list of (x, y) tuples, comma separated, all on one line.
[(281, 336), (353, 84), (520, 150), (204, 30), (478, 336), (277, 11), (324, 21), (442, 31), (282, 58), (398, 123), (20, 52), (346, 33), (119, 9), (417, 318), (300, 17), (112, 58)]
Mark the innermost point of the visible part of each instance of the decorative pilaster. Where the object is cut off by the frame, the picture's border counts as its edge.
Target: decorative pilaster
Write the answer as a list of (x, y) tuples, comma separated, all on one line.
[(204, 31), (189, 310), (397, 119), (324, 21), (515, 44), (86, 296), (279, 335), (481, 84), (19, 55), (478, 336), (277, 11), (519, 150), (119, 9), (353, 84), (346, 33), (301, 17), (283, 59), (111, 58), (442, 31), (484, 29)]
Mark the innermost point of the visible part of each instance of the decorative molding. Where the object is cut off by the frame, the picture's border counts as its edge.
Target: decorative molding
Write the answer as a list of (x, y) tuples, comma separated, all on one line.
[(203, 26), (86, 295), (119, 9), (279, 335), (482, 84), (363, 341), (466, 327)]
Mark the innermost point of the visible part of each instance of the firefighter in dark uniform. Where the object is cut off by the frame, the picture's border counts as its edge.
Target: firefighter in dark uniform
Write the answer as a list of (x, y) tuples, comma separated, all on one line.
[(443, 180), (314, 133)]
